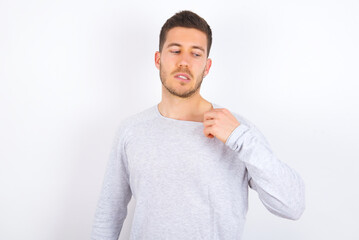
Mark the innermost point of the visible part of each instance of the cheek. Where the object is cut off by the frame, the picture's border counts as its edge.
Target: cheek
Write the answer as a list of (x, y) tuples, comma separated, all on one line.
[(167, 62), (201, 68), (201, 64)]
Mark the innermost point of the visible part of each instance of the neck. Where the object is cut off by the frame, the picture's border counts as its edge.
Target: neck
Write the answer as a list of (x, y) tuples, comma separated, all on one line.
[(187, 109)]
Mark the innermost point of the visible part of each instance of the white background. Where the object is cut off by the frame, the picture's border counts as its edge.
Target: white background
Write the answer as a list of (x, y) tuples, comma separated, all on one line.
[(70, 71)]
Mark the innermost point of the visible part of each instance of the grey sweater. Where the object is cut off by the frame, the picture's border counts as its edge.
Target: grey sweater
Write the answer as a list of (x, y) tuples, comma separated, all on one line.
[(188, 186)]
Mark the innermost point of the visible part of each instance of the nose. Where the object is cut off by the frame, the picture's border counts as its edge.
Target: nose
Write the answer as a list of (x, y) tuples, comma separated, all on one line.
[(183, 61)]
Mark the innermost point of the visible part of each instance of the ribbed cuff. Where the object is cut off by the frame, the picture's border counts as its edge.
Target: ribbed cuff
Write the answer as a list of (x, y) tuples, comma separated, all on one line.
[(237, 133)]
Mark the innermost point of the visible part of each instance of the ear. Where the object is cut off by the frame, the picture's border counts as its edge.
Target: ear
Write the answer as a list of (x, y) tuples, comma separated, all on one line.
[(157, 59), (208, 66)]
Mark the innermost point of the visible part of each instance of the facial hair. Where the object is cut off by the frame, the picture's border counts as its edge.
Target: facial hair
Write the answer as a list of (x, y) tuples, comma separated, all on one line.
[(174, 92)]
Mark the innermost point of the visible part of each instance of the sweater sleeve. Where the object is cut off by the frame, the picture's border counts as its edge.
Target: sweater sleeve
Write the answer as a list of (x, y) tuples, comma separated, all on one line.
[(115, 194), (279, 187)]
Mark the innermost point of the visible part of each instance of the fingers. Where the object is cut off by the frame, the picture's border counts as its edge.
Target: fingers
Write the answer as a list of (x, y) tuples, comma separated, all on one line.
[(214, 113), (208, 115), (207, 132), (209, 122), (216, 121)]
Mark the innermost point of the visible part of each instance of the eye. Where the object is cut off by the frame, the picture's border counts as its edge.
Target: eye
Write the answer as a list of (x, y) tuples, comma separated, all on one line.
[(197, 55), (174, 51)]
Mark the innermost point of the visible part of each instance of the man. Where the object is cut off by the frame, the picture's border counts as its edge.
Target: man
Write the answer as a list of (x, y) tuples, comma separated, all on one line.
[(188, 162)]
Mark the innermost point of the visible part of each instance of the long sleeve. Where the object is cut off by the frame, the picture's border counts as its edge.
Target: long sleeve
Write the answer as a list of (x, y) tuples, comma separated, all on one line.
[(279, 187), (115, 194)]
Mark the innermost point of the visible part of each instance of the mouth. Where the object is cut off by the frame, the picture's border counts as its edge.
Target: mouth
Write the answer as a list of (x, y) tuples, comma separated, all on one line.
[(183, 77)]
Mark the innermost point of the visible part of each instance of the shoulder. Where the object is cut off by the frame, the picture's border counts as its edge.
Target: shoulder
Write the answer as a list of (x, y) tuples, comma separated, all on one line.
[(135, 121)]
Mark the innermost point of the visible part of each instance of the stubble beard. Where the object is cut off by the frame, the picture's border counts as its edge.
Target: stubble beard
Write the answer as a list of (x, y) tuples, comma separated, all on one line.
[(174, 92)]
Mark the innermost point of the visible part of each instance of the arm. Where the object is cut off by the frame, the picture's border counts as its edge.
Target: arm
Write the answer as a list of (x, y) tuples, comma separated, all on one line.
[(115, 194), (279, 187)]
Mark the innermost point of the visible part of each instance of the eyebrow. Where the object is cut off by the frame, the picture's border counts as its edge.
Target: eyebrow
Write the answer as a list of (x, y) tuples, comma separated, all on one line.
[(179, 45)]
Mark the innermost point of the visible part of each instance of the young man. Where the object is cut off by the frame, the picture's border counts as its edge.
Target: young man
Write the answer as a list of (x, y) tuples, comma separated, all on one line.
[(188, 162)]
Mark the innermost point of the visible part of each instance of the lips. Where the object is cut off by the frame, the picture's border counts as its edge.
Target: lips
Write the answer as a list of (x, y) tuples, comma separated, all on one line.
[(182, 75)]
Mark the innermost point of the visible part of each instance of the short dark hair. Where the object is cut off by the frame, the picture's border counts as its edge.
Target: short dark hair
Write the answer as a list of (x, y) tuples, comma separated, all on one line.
[(186, 19)]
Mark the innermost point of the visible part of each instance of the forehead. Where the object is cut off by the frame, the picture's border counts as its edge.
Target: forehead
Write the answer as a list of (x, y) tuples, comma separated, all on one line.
[(186, 37)]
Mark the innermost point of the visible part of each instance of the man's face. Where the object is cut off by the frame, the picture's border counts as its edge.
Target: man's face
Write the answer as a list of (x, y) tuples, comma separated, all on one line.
[(184, 51)]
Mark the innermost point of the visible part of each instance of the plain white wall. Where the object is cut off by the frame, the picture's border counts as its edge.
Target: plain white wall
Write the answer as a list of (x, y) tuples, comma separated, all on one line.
[(70, 71)]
